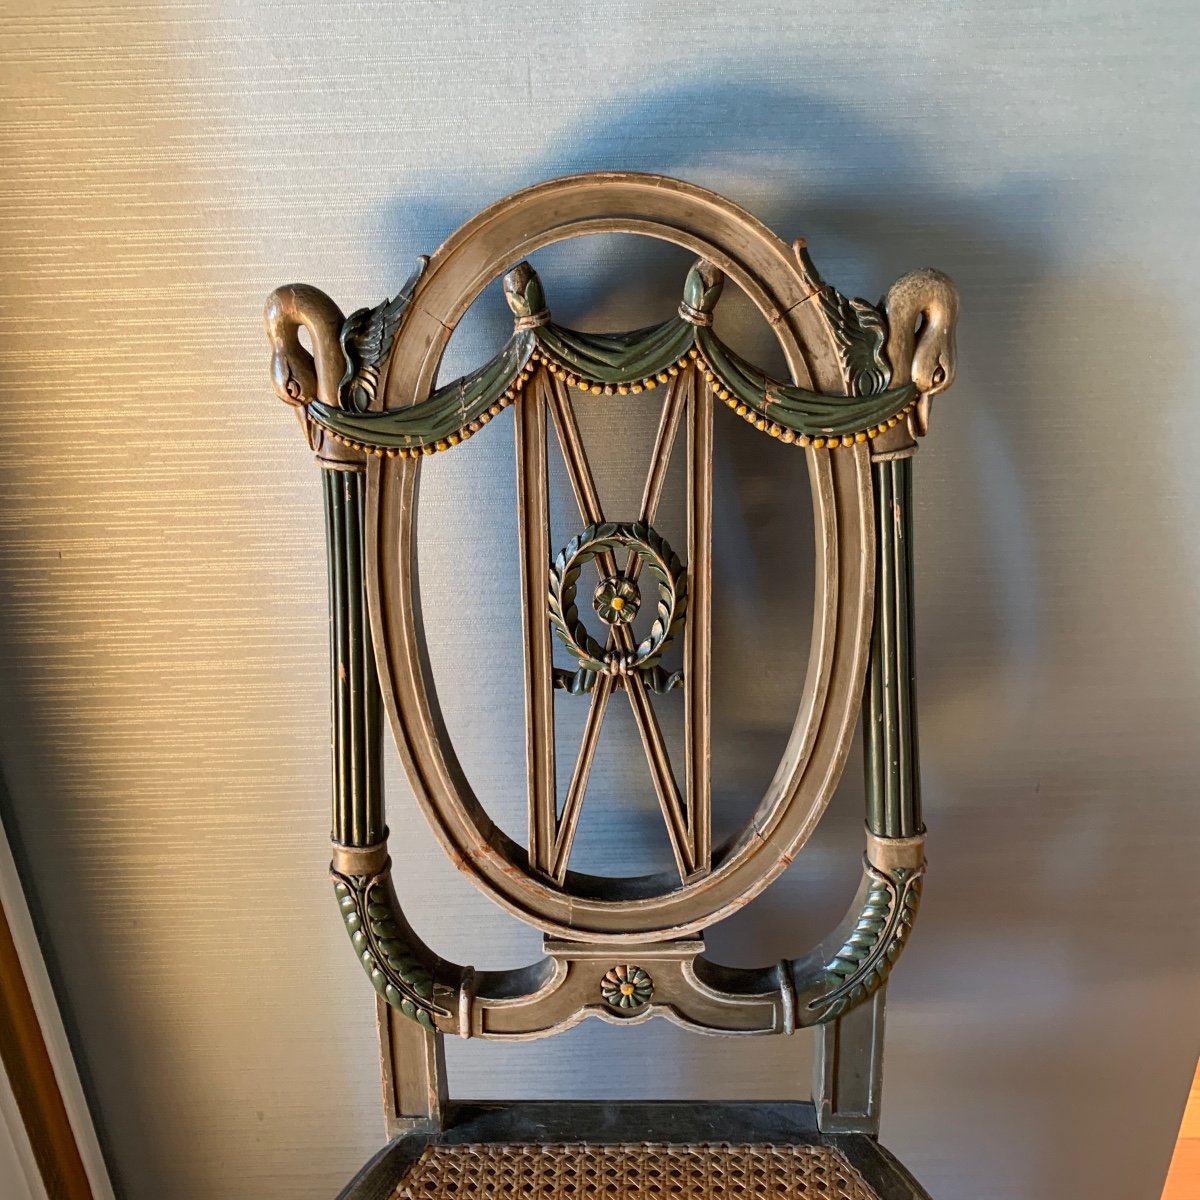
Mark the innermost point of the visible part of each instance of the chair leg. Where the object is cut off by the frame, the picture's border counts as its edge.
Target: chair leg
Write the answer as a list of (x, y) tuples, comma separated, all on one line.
[(848, 1070), (413, 1065)]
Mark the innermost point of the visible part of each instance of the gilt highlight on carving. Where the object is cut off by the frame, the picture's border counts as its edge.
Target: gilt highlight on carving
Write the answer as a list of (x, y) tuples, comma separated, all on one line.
[(348, 353)]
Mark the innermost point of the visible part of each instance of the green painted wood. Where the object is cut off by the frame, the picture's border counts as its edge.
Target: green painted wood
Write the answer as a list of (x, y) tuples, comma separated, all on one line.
[(797, 409), (396, 962), (400, 967), (636, 362), (892, 768), (872, 943), (357, 710)]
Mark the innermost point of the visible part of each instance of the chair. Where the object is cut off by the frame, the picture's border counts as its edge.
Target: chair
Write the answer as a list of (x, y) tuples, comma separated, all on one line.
[(625, 949)]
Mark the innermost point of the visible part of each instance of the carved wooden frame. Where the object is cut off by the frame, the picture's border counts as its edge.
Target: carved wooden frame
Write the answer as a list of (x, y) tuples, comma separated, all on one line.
[(861, 386), (765, 268)]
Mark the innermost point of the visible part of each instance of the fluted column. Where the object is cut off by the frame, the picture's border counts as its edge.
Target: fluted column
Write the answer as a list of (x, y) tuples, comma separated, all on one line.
[(357, 724), (893, 780)]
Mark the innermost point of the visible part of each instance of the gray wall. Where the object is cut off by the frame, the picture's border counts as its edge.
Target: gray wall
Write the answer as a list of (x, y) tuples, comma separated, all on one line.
[(163, 730)]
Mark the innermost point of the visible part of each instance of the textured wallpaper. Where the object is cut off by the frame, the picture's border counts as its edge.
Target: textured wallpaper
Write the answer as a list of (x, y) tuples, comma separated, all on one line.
[(164, 733)]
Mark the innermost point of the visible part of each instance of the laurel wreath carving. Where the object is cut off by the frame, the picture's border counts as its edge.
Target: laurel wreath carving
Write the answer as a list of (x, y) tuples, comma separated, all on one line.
[(658, 560), (861, 967), (395, 970), (860, 331)]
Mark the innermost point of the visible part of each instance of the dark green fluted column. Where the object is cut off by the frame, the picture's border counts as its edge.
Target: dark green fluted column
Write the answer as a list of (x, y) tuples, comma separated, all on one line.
[(893, 780), (357, 727)]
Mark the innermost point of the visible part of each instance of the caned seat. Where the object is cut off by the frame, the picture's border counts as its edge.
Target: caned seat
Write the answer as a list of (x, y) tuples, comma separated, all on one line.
[(617, 609), (578, 1150)]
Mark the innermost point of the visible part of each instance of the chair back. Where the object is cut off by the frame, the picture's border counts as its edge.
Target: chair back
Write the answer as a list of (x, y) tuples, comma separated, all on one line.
[(632, 612)]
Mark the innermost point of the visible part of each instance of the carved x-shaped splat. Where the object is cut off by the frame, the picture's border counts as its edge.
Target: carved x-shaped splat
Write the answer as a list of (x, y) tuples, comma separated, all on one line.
[(686, 815)]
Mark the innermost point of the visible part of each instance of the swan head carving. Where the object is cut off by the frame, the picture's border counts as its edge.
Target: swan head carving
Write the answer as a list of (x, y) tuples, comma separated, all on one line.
[(922, 314), (299, 376)]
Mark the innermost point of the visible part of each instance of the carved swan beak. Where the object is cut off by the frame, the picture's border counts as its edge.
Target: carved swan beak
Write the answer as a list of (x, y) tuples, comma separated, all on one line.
[(306, 426), (922, 311), (918, 421), (938, 380)]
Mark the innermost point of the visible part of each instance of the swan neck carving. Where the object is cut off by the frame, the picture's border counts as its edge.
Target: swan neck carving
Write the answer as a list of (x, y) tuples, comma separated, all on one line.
[(300, 377), (922, 314)]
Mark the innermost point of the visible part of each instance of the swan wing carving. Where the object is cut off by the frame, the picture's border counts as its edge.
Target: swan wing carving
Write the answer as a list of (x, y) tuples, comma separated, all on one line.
[(860, 331), (367, 338)]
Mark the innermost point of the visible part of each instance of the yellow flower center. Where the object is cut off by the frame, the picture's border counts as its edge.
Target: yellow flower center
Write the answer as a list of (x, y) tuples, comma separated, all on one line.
[(618, 603), (627, 989)]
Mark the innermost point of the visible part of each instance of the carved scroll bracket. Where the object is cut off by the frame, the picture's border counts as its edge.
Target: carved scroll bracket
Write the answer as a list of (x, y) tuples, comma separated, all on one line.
[(632, 983), (401, 968), (856, 961), (627, 986)]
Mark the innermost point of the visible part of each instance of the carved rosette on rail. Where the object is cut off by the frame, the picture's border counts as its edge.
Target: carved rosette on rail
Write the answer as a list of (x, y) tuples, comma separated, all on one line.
[(891, 360)]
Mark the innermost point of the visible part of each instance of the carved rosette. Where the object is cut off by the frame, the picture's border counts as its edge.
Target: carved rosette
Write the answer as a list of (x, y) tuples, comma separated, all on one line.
[(626, 987), (617, 600)]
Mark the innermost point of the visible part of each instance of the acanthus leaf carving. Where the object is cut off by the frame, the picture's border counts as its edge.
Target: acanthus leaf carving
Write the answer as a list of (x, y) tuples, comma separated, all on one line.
[(385, 948), (860, 331), (870, 949)]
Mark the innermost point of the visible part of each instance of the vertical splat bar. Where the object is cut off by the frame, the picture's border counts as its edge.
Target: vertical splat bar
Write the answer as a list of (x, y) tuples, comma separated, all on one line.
[(577, 789), (664, 443), (697, 645), (665, 786), (580, 474), (579, 471), (533, 520)]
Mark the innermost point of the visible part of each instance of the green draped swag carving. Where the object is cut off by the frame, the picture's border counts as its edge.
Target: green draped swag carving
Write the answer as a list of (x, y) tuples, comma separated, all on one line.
[(628, 364), (893, 359)]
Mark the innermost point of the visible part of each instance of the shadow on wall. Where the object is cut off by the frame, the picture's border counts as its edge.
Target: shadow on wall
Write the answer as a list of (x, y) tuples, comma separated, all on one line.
[(873, 204)]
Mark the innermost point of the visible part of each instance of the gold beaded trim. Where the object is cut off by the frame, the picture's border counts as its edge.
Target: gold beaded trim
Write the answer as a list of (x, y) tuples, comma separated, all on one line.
[(790, 437), (649, 383), (748, 414), (447, 443)]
